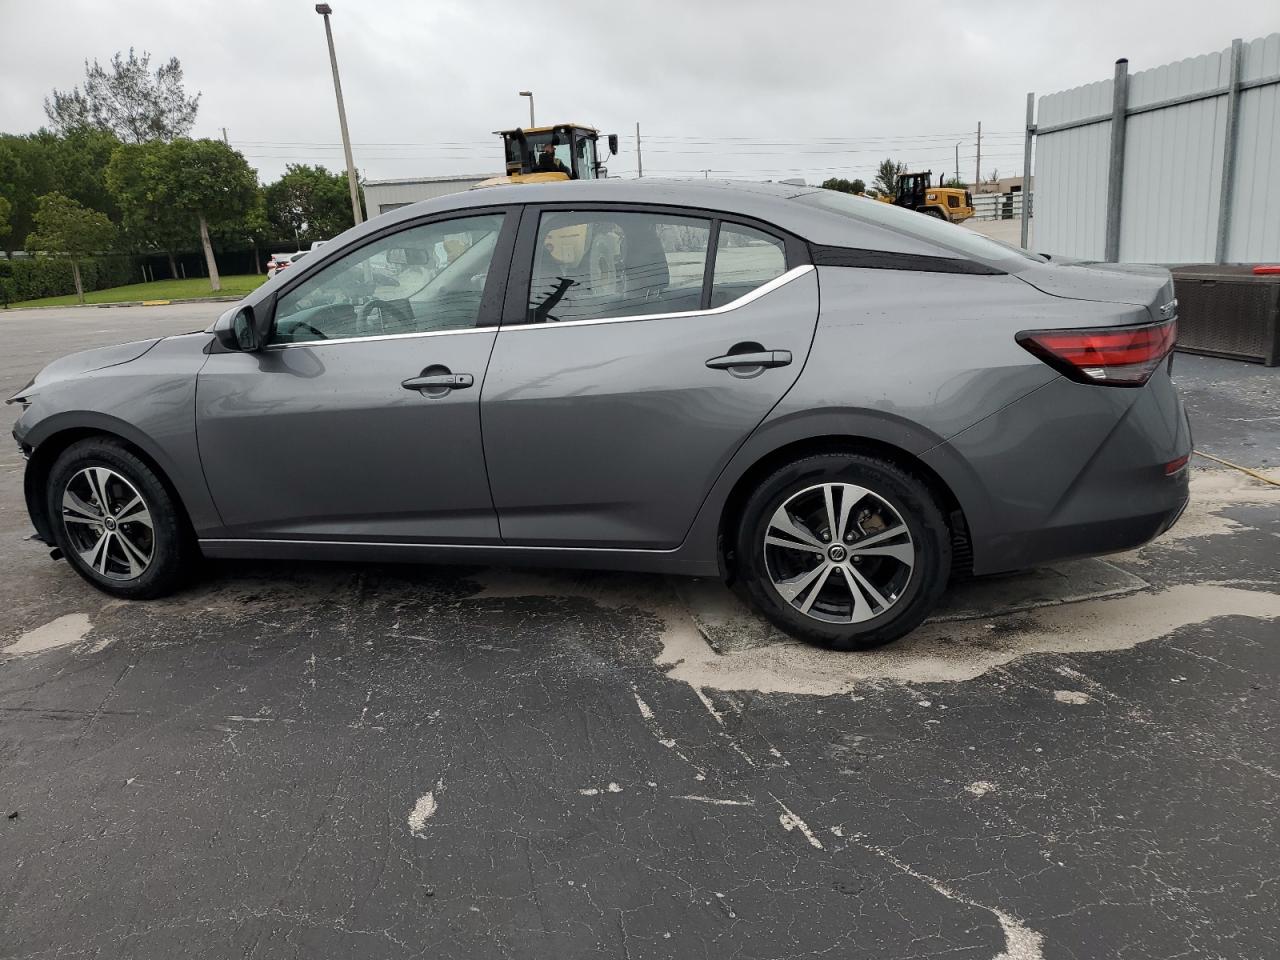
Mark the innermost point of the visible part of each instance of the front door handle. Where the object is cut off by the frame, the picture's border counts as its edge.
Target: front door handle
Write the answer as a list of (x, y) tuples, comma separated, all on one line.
[(450, 381), (438, 381), (759, 358)]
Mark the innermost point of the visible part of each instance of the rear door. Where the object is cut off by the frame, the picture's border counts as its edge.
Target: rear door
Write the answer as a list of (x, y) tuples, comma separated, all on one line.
[(360, 421), (640, 347)]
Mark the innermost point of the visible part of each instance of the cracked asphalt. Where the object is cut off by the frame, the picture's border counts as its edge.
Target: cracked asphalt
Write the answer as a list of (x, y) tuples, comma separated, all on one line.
[(304, 760)]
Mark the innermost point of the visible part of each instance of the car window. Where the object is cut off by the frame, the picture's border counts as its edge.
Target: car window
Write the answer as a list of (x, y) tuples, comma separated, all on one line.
[(419, 280), (591, 266), (745, 259)]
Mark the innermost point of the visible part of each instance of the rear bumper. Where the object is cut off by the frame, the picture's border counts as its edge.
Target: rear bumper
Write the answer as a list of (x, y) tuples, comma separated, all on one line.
[(1072, 470), (1086, 538)]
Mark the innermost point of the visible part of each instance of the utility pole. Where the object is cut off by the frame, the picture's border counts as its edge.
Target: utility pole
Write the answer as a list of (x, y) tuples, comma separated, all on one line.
[(639, 158), (324, 10), (977, 172), (224, 137), (529, 94), (957, 163)]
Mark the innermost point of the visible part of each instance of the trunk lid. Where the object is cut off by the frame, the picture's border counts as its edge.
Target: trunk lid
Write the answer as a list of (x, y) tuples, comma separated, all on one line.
[(1139, 284)]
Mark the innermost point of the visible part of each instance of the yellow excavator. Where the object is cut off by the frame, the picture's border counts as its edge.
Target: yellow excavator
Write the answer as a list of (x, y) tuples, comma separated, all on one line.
[(563, 151), (945, 203)]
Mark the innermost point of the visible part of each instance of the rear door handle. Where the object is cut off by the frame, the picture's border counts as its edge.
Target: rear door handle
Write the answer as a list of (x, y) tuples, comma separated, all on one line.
[(439, 382), (760, 358)]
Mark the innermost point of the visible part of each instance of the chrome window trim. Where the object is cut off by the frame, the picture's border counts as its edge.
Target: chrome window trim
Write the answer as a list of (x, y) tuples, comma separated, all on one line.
[(763, 290), (378, 336)]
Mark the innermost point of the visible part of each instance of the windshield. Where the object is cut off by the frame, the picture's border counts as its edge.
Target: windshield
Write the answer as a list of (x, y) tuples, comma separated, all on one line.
[(959, 240), (558, 159)]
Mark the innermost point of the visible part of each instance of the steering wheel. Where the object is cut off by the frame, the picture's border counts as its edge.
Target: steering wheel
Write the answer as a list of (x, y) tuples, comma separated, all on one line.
[(364, 316), (320, 334)]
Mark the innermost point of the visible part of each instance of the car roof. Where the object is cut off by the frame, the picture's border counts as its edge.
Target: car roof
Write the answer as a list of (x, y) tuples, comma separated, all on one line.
[(767, 201)]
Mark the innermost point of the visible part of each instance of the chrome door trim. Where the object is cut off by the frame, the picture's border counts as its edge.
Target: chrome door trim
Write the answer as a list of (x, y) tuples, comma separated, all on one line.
[(378, 336), (432, 546), (794, 273)]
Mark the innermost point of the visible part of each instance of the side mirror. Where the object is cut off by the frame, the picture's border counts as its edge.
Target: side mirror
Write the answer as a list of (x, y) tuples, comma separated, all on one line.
[(243, 330), (613, 144), (240, 330)]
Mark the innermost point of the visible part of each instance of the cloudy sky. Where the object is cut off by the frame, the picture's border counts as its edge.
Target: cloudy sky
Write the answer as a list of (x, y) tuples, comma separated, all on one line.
[(740, 88)]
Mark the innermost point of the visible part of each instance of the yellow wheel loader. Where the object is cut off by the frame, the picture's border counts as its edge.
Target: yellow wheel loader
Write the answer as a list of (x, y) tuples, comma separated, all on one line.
[(945, 203), (565, 151)]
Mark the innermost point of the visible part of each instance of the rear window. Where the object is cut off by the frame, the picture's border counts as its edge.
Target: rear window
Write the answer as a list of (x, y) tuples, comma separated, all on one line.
[(959, 240)]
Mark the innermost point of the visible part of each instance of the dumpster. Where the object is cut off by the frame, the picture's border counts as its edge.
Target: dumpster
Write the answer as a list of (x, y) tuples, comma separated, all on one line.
[(1228, 311)]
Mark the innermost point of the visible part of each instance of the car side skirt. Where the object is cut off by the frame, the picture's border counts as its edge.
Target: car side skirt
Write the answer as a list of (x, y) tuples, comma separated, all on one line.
[(676, 561)]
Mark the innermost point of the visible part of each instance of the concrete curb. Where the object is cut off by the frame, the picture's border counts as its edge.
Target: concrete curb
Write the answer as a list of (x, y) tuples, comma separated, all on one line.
[(122, 303)]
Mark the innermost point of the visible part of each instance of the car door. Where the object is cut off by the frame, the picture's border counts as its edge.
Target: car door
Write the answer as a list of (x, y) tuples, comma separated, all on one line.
[(360, 420), (639, 349)]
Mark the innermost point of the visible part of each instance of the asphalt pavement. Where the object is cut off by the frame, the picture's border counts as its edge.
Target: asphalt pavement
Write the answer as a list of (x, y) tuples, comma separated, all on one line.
[(306, 760)]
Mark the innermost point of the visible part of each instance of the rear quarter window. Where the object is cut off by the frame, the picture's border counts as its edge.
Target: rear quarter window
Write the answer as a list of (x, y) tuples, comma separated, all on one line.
[(948, 238)]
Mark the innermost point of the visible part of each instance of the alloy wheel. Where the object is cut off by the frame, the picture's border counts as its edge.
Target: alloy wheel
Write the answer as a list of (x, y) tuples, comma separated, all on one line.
[(108, 523), (839, 553)]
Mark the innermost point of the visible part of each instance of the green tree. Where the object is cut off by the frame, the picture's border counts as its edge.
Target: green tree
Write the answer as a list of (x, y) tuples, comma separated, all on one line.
[(887, 174), (24, 176), (845, 186), (204, 183), (954, 182), (128, 100), (77, 165), (148, 223), (38, 163), (309, 203), (5, 209), (64, 227), (253, 228)]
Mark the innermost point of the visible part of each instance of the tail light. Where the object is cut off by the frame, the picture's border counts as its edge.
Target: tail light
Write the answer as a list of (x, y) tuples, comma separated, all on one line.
[(1113, 356)]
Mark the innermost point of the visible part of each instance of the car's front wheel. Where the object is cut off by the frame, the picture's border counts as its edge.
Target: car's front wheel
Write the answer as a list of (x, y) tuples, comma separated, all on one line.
[(844, 550), (115, 522)]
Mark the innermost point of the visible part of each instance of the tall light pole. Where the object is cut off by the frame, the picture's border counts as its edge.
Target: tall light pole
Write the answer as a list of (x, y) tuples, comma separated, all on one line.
[(324, 10), (529, 94)]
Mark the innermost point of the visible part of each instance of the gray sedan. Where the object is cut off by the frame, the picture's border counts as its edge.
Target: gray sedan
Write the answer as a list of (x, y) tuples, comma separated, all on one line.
[(835, 404)]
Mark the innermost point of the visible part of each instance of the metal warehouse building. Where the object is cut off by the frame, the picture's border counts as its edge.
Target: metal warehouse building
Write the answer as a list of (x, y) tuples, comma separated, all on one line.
[(383, 195)]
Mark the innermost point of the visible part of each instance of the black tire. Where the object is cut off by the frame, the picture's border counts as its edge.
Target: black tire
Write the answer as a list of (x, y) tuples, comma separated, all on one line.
[(170, 544), (894, 490), (933, 212)]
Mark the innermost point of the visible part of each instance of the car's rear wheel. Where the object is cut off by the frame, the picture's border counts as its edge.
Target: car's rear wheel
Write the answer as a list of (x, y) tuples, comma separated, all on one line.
[(843, 550), (115, 522)]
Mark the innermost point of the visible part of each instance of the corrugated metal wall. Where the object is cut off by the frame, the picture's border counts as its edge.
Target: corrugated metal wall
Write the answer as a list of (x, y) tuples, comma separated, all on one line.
[(1071, 173), (1255, 221), (1172, 180), (1173, 164)]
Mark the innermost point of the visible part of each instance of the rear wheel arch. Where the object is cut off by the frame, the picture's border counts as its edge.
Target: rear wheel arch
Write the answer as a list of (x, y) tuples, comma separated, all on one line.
[(731, 512)]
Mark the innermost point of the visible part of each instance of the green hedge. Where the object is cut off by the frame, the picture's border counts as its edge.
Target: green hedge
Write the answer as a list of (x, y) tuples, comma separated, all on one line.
[(29, 279)]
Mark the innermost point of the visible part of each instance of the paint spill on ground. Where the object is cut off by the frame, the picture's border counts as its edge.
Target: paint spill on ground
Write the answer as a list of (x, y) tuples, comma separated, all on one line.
[(62, 632), (423, 810), (596, 791), (1020, 941), (948, 652), (1076, 697)]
